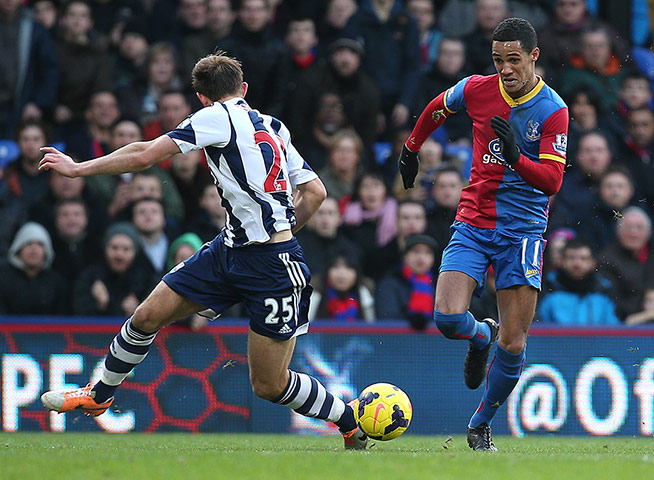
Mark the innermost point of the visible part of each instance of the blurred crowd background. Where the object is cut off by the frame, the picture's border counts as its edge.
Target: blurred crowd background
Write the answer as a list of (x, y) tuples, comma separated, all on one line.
[(349, 79)]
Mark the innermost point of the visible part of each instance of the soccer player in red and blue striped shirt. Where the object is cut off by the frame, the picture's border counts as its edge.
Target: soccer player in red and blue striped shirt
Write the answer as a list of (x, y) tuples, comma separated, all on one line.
[(520, 128)]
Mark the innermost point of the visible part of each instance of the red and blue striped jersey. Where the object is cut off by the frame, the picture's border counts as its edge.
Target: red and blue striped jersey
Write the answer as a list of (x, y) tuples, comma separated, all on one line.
[(497, 196)]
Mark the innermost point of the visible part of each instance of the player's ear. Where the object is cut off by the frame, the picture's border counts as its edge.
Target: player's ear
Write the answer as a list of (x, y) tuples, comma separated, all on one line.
[(245, 89), (204, 100), (535, 53)]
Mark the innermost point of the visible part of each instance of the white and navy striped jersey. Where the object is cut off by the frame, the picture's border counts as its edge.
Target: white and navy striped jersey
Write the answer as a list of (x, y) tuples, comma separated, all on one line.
[(254, 164)]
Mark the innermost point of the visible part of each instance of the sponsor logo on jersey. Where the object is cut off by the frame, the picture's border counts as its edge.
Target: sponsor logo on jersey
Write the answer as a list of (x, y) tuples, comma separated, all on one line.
[(531, 272), (285, 329), (495, 155), (561, 144), (532, 134)]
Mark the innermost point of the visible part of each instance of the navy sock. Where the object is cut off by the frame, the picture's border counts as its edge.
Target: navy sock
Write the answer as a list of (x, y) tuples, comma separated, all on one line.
[(503, 374), (308, 397), (103, 392), (463, 326), (128, 349)]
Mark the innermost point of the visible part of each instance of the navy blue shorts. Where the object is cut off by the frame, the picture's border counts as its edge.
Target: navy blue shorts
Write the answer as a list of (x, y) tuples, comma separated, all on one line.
[(271, 280), (516, 261)]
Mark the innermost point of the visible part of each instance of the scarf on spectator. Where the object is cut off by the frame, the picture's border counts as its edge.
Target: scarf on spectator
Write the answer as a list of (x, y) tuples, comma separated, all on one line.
[(386, 217), (340, 308), (421, 300)]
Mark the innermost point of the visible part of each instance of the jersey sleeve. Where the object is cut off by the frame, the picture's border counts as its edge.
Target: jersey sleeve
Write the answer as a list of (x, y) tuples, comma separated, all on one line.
[(554, 137), (208, 126), (454, 99), (299, 171)]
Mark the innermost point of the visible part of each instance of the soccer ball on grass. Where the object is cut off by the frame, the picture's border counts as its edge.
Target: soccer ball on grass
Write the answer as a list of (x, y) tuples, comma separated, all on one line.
[(383, 411)]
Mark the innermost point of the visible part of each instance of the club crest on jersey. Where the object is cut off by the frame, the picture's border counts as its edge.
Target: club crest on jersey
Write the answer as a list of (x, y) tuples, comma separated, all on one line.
[(532, 134), (561, 144)]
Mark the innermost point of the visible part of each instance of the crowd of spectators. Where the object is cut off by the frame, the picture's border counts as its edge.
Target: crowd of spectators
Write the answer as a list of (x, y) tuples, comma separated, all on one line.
[(349, 79)]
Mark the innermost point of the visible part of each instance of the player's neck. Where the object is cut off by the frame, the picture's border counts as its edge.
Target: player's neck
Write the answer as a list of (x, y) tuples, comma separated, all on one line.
[(528, 87)]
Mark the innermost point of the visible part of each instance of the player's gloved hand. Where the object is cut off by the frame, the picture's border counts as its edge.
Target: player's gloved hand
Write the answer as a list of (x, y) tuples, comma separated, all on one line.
[(503, 130), (409, 164)]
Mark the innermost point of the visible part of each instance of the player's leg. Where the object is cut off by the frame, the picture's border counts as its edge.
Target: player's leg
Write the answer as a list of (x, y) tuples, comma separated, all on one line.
[(453, 293), (463, 269), (272, 380), (517, 306), (277, 302), (128, 349)]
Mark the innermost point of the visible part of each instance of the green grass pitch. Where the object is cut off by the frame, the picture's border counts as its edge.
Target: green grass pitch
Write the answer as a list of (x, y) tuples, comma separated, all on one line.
[(27, 456)]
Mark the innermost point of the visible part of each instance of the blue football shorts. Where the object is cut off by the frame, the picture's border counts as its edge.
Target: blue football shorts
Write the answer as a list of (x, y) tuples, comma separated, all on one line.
[(271, 280), (516, 260)]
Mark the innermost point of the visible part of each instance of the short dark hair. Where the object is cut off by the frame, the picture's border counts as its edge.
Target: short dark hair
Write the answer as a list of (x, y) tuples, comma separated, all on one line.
[(577, 244), (511, 29), (71, 201), (217, 76)]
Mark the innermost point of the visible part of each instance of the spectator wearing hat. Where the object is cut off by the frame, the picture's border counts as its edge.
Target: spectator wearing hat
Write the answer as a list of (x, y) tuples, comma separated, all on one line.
[(28, 286), (115, 285), (182, 249), (408, 292), (390, 37), (340, 73)]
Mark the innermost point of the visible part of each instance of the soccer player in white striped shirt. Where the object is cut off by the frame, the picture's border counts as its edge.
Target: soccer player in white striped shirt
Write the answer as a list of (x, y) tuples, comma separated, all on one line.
[(256, 260)]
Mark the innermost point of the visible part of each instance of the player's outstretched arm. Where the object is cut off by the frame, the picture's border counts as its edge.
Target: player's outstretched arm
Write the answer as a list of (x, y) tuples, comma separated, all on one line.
[(308, 200), (430, 119), (134, 157)]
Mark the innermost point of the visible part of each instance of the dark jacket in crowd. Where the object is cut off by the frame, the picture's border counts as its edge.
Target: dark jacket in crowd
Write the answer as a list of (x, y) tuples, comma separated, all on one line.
[(392, 49), (392, 300), (629, 275), (28, 46), (139, 280), (266, 65), (359, 94), (319, 252)]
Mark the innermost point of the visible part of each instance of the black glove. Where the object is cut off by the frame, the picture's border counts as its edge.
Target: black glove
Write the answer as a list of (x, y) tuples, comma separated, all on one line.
[(409, 164), (503, 130)]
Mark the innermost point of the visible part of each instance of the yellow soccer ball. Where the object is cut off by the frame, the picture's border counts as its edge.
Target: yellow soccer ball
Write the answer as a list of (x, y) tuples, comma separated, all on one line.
[(383, 411)]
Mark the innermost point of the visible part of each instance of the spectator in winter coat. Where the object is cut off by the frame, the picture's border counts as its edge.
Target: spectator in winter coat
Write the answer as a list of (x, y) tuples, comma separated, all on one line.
[(28, 286), (576, 293)]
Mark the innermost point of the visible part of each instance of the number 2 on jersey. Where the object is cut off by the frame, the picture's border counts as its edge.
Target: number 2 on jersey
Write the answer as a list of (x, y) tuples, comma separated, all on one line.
[(272, 183)]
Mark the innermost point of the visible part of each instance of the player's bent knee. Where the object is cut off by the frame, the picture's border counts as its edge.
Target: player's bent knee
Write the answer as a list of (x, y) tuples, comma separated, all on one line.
[(513, 345), (447, 323), (266, 390), (146, 319)]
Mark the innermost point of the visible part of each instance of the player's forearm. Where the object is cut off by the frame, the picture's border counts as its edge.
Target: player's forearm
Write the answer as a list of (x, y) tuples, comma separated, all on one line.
[(309, 198), (129, 158), (430, 119), (546, 176)]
